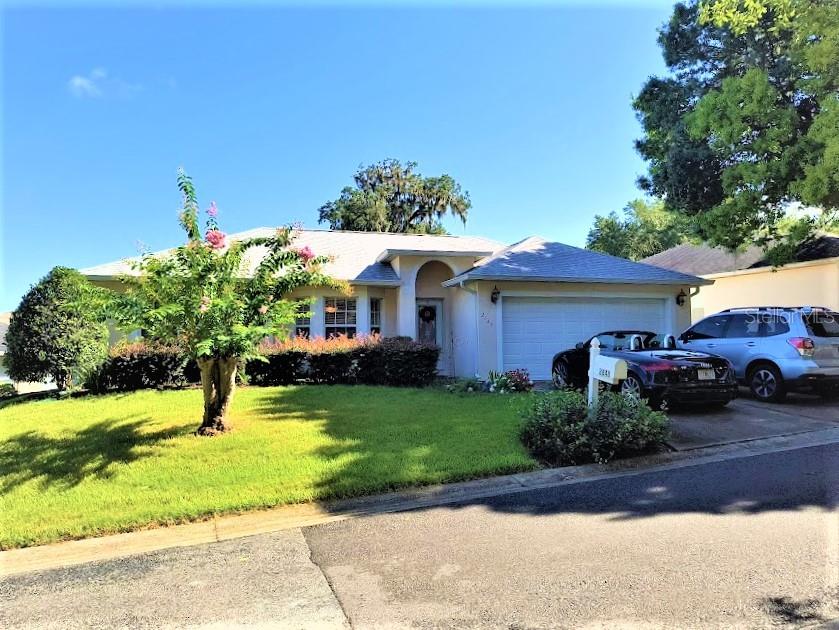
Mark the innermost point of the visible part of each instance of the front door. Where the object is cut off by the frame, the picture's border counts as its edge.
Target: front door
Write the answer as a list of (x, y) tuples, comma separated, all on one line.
[(430, 327)]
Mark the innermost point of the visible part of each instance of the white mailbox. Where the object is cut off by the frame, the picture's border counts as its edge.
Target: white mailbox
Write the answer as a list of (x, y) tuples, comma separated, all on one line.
[(608, 369)]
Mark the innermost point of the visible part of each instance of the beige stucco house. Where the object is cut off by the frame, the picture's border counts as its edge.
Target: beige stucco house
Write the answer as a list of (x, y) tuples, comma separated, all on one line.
[(746, 279), (487, 305)]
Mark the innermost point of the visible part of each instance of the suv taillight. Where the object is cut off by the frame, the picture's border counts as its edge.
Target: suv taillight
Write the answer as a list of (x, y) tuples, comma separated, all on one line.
[(804, 345)]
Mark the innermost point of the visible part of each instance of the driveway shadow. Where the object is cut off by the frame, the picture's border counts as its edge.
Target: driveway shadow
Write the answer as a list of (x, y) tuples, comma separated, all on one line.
[(69, 460)]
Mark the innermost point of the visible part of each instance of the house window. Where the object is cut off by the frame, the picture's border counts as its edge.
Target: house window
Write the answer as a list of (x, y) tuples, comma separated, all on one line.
[(339, 315), (376, 316), (303, 323)]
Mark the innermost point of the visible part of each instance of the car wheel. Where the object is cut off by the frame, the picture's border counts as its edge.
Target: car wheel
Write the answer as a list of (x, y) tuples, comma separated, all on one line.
[(767, 384), (632, 386), (560, 376)]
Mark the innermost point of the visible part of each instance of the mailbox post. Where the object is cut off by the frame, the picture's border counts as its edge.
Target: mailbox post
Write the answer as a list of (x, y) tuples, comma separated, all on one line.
[(606, 369)]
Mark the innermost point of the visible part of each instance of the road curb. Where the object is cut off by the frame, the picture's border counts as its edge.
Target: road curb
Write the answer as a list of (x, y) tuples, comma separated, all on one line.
[(74, 552)]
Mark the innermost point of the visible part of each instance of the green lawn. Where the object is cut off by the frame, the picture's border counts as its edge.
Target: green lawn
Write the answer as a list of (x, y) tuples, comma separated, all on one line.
[(103, 464)]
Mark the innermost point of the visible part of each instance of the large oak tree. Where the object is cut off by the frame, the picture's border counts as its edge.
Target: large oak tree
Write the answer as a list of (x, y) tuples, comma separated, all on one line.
[(392, 197)]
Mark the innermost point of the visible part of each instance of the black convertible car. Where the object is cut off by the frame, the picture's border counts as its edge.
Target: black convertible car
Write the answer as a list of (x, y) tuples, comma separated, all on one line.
[(656, 369)]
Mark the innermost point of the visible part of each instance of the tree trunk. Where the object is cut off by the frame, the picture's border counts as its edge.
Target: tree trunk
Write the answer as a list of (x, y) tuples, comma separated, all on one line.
[(61, 379), (218, 380)]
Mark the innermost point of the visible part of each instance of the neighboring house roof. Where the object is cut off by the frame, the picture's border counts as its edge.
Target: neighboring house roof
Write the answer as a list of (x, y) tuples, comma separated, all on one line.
[(358, 257), (703, 260), (535, 259)]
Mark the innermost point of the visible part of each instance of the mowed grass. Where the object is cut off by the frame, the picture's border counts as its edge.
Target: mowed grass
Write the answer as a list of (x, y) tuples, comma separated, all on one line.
[(97, 465)]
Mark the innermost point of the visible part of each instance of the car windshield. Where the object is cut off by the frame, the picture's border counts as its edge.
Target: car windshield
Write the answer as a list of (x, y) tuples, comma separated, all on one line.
[(822, 323), (619, 341)]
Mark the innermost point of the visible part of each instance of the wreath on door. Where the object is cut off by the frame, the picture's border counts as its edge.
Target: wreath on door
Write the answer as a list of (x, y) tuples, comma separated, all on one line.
[(428, 314)]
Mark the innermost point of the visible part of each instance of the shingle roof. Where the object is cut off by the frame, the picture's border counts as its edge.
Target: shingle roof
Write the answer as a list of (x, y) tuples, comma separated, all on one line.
[(354, 253), (535, 259), (705, 260)]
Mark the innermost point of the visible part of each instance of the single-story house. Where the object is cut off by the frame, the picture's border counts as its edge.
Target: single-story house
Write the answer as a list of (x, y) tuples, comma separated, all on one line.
[(747, 279), (487, 305)]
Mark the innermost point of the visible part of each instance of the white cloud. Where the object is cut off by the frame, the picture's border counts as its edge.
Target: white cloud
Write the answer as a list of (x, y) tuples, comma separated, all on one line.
[(98, 83), (83, 87)]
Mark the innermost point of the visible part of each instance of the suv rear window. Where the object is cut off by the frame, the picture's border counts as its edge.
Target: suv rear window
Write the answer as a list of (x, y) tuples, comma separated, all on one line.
[(822, 323)]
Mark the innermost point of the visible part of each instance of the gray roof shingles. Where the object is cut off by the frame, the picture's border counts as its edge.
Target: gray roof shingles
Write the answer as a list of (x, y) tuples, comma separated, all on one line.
[(704, 260), (354, 254), (535, 259), (355, 257)]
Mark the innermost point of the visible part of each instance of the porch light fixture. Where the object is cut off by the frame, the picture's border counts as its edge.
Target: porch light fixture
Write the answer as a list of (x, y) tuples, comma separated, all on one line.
[(680, 299), (494, 295)]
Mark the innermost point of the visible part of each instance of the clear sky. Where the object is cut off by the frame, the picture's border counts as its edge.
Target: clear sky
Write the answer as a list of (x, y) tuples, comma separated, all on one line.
[(271, 109)]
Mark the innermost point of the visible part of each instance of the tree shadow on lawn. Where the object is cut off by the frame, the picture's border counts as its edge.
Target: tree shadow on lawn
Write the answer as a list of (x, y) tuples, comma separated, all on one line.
[(387, 440), (68, 460)]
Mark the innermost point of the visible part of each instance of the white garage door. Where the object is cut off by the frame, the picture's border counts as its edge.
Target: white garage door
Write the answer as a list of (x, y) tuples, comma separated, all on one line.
[(535, 329)]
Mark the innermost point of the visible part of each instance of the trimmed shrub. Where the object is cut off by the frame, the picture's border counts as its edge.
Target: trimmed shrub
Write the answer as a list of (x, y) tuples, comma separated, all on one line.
[(282, 367), (139, 365), (559, 430), (7, 390), (397, 361)]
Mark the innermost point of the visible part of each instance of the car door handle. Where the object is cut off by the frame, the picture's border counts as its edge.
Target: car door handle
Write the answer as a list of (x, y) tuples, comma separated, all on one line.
[(711, 345), (751, 344)]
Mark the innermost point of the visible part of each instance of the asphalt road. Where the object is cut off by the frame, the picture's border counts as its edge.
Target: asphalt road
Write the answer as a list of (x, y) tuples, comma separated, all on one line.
[(258, 582), (747, 542)]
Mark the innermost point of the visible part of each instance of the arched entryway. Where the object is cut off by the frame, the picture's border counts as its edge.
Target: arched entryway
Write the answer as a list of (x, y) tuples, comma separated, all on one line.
[(434, 311)]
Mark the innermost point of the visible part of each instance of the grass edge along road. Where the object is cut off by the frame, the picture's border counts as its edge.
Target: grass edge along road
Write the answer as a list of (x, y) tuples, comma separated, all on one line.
[(105, 464)]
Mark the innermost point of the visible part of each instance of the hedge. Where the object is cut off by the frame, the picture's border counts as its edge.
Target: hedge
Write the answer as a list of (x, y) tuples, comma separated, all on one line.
[(394, 361), (143, 366)]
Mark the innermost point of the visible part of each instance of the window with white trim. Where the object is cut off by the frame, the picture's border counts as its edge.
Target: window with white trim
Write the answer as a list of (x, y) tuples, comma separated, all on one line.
[(376, 316), (303, 323), (339, 316)]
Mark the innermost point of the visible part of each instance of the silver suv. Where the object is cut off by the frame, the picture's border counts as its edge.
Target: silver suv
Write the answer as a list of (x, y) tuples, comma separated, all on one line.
[(773, 349)]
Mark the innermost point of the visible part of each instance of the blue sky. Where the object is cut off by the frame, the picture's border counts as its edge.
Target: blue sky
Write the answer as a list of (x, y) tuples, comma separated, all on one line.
[(271, 109)]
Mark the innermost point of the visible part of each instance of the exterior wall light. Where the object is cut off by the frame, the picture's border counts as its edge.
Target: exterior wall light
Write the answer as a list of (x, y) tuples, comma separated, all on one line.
[(494, 295), (680, 299)]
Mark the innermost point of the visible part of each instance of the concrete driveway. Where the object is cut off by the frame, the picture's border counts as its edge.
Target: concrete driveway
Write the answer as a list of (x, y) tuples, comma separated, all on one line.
[(747, 419)]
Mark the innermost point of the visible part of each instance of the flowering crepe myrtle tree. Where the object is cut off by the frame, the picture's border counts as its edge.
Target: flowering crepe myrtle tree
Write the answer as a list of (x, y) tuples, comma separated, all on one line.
[(203, 297)]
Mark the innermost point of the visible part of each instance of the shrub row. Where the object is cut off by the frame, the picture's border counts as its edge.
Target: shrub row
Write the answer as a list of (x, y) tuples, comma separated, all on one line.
[(143, 366), (395, 361)]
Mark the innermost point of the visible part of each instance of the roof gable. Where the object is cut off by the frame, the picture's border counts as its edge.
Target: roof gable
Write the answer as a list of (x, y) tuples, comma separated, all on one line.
[(535, 259)]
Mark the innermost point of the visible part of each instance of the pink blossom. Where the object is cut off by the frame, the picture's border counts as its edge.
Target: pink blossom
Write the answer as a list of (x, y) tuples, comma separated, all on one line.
[(212, 210), (216, 238), (305, 253), (263, 309), (205, 304)]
